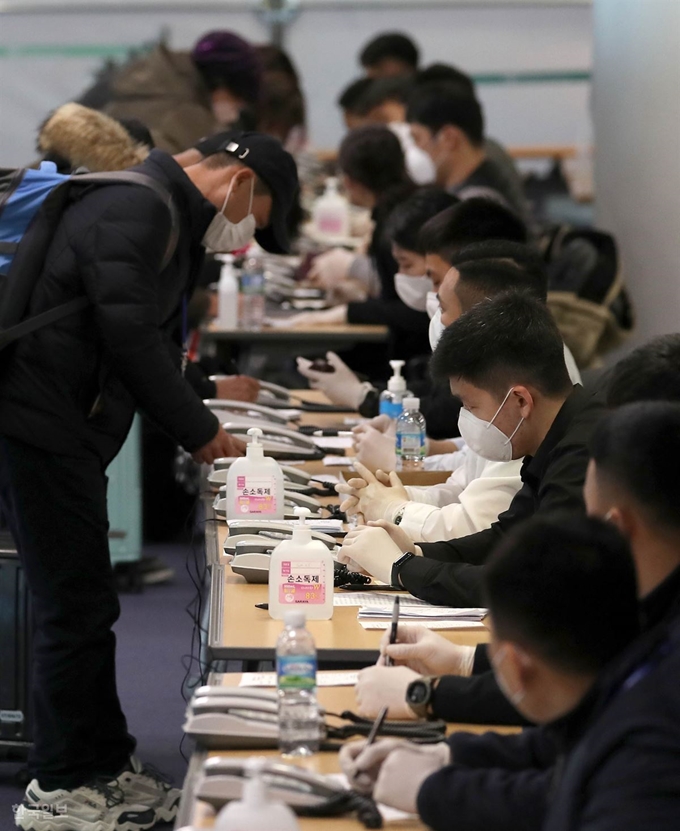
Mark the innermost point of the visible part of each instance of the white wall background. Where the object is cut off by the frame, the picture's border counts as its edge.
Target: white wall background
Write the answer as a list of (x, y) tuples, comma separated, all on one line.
[(481, 36), (637, 166)]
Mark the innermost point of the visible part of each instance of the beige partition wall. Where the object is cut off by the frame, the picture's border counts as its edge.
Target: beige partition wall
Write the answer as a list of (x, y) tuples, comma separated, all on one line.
[(636, 112)]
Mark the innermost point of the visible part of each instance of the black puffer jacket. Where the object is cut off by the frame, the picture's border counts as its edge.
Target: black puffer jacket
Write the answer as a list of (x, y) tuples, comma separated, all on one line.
[(72, 387)]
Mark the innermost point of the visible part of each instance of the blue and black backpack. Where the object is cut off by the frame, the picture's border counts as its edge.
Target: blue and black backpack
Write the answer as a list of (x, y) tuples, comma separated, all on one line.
[(31, 205)]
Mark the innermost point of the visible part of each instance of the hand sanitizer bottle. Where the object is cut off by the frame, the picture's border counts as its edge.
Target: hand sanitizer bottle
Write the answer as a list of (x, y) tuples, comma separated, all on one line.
[(301, 574), (255, 484), (331, 211), (255, 811), (391, 399)]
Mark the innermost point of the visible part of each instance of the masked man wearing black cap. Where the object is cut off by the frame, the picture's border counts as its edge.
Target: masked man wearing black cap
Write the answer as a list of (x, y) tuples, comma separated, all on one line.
[(67, 396)]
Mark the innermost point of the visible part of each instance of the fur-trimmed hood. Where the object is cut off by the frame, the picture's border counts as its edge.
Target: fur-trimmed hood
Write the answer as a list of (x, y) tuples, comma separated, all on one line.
[(88, 138)]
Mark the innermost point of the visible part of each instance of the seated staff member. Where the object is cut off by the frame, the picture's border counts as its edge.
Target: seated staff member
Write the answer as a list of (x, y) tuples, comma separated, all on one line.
[(562, 606), (475, 221), (479, 489), (649, 373), (505, 360), (410, 283), (384, 102), (632, 480), (448, 123)]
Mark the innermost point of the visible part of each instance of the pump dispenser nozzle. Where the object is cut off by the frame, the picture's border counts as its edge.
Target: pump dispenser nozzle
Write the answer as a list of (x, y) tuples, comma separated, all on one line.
[(397, 383), (255, 449), (301, 531)]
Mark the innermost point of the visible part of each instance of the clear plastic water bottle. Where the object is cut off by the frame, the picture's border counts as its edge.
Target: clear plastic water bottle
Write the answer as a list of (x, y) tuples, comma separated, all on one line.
[(299, 723), (411, 436), (251, 297)]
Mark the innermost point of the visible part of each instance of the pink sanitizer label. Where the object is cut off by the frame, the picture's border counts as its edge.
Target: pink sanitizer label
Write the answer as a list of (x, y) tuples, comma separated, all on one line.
[(302, 583), (256, 495)]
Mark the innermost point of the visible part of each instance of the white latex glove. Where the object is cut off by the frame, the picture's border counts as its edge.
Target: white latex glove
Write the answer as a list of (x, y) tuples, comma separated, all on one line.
[(377, 500), (372, 550), (326, 317), (403, 772), (331, 268), (381, 686), (374, 449), (399, 536), (426, 653), (381, 423), (362, 779), (342, 386)]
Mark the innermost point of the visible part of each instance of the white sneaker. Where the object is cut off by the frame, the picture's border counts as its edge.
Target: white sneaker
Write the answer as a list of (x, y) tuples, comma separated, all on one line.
[(143, 785), (92, 807)]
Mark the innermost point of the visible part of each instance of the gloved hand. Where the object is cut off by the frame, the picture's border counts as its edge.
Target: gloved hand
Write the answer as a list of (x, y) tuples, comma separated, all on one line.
[(398, 535), (326, 317), (426, 653), (375, 450), (379, 686), (403, 772), (341, 386), (382, 423), (376, 500), (372, 550), (362, 779), (330, 268)]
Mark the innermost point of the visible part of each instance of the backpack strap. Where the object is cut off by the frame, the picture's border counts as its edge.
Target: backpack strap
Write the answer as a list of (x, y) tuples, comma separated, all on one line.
[(43, 319), (134, 178), (54, 207)]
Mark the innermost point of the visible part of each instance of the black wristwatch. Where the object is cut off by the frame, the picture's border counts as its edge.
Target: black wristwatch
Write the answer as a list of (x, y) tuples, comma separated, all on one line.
[(419, 695), (396, 568)]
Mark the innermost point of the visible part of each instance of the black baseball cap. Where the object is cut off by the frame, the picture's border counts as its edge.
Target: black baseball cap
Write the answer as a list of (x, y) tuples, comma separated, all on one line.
[(266, 157)]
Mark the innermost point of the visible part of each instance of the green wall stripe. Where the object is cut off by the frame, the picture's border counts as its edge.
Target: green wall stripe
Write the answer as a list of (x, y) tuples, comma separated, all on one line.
[(47, 51)]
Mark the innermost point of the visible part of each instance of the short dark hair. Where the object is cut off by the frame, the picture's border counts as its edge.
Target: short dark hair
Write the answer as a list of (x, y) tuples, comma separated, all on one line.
[(637, 448), (350, 98), (442, 72), (564, 587), (406, 220), (480, 279), (441, 104), (390, 45), (505, 340), (382, 90), (373, 157), (649, 373), (471, 221)]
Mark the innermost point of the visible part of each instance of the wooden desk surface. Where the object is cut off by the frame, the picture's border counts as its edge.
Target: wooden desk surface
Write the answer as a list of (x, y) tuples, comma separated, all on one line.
[(239, 631), (337, 333), (334, 699)]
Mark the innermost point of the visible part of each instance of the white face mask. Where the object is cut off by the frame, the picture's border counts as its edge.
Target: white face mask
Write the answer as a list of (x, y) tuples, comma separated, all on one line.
[(224, 236), (413, 290), (436, 329), (483, 438), (432, 304)]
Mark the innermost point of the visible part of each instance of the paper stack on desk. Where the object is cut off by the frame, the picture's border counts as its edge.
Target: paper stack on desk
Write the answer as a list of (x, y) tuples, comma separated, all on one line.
[(378, 616)]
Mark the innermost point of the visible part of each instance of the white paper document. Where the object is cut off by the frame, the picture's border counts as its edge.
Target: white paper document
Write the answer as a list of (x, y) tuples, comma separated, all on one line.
[(383, 611), (376, 599), (338, 461), (334, 442), (428, 624), (323, 679)]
